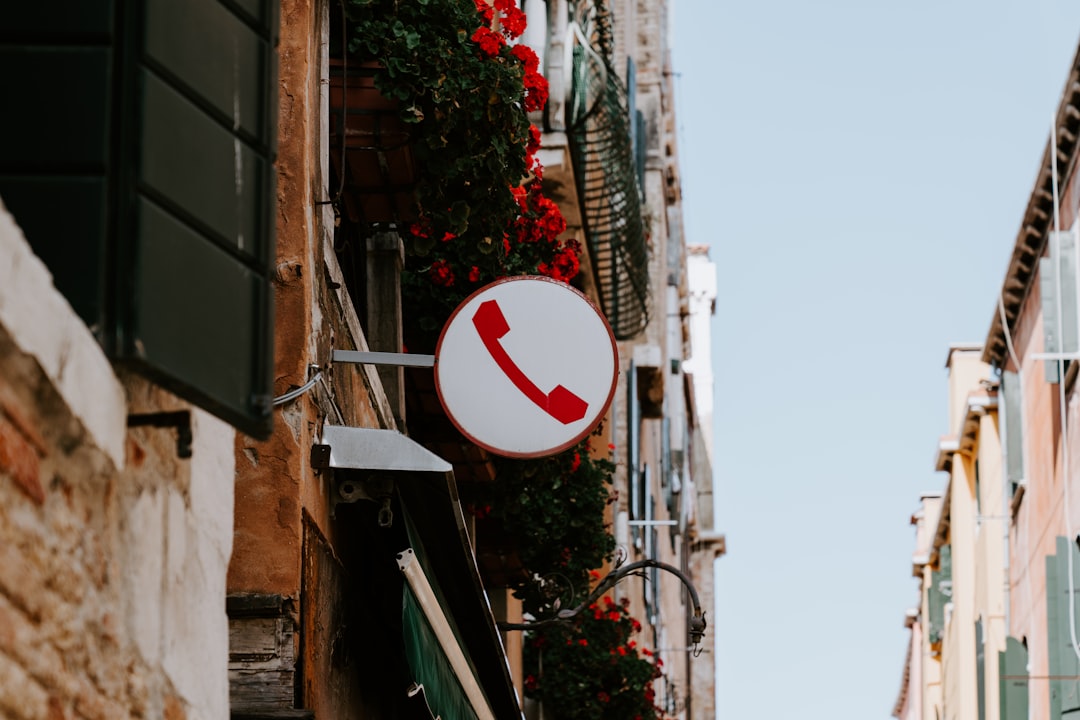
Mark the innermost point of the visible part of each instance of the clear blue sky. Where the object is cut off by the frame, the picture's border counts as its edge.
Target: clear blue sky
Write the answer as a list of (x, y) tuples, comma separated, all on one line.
[(860, 169)]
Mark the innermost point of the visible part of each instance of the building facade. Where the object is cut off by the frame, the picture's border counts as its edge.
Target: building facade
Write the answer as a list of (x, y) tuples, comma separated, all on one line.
[(209, 508), (1015, 576)]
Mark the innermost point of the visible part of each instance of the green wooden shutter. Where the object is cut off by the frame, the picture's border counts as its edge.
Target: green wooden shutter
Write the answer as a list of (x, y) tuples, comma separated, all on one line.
[(633, 447), (140, 167), (1061, 260), (980, 668), (1011, 393), (1063, 663), (939, 594), (1048, 291), (1013, 679), (945, 579), (936, 606), (1067, 262)]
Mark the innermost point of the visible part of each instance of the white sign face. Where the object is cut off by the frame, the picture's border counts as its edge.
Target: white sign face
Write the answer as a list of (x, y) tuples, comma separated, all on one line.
[(526, 367)]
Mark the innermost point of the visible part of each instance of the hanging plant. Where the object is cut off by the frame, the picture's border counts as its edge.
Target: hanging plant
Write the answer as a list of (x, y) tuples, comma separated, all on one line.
[(467, 91), (552, 509), (593, 668)]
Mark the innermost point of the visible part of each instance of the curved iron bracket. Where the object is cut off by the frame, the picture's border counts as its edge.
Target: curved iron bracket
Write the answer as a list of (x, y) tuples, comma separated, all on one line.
[(697, 620)]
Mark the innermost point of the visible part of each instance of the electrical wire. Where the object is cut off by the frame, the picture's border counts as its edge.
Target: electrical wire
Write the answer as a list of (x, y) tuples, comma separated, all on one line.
[(1008, 335), (293, 394)]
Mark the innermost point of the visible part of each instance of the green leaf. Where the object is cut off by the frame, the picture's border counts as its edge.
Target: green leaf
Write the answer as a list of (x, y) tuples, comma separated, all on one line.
[(459, 213), (422, 245)]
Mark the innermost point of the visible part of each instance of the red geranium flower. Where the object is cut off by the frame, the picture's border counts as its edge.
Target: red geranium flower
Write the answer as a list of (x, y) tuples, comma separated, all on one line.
[(486, 11), (490, 42), (441, 273), (513, 22), (527, 56), (536, 91)]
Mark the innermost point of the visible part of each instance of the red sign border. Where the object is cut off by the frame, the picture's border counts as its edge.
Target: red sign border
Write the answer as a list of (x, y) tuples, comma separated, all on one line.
[(582, 434)]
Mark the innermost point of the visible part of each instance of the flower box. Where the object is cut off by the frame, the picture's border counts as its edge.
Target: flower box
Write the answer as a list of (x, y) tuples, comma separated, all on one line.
[(371, 146)]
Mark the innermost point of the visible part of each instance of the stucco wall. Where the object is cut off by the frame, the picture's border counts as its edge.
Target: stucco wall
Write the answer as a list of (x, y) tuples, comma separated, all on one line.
[(1039, 519), (112, 549)]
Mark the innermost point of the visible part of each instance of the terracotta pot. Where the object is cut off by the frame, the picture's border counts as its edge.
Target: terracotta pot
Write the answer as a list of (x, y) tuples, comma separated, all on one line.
[(372, 147)]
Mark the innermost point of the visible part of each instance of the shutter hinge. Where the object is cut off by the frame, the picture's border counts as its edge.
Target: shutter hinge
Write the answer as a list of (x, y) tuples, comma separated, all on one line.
[(181, 420)]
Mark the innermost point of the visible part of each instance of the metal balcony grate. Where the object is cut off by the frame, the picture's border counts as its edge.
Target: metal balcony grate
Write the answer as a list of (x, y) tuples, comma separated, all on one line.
[(606, 173)]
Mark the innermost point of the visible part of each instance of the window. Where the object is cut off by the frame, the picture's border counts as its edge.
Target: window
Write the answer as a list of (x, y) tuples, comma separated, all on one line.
[(155, 209)]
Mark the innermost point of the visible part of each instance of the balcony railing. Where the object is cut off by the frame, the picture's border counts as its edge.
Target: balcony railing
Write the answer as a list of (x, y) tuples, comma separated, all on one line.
[(605, 168)]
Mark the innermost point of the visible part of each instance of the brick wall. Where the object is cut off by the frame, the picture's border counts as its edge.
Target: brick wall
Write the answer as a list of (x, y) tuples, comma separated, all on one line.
[(112, 549)]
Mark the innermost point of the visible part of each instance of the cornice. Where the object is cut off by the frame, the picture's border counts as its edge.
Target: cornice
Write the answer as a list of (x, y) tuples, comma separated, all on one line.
[(1031, 238)]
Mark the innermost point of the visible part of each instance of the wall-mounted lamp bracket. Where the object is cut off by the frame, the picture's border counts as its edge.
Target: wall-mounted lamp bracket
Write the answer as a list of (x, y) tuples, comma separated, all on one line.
[(697, 619), (180, 419)]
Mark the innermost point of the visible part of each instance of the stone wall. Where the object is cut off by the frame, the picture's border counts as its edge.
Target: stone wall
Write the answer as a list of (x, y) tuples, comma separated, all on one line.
[(113, 549)]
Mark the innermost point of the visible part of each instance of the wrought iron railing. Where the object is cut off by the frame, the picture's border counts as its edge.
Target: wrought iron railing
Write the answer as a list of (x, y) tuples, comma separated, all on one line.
[(605, 169)]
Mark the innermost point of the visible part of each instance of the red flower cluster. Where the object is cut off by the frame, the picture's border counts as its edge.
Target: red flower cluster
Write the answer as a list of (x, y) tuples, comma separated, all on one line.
[(564, 266), (536, 85), (511, 22), (491, 43), (621, 682), (487, 12), (441, 273), (511, 19), (531, 148), (541, 220), (536, 91)]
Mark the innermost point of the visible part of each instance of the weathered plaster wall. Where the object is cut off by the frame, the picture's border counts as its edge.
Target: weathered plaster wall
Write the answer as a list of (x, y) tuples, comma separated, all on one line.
[(287, 543), (112, 550)]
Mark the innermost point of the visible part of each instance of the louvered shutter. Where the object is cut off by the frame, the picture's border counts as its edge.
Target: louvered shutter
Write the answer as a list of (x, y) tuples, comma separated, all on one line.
[(1011, 394), (1057, 286), (140, 167), (1063, 663), (1013, 677)]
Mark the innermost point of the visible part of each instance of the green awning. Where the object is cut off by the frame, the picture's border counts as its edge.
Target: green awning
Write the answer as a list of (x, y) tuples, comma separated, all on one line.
[(432, 669), (434, 645), (441, 558)]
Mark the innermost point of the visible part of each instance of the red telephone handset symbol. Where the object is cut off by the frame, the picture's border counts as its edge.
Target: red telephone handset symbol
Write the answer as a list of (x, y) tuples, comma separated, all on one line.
[(560, 403)]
